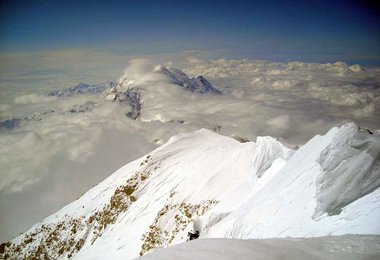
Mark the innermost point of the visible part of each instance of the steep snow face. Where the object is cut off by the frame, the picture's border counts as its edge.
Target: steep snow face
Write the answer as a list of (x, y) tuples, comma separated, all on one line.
[(301, 199), (205, 182), (350, 169), (269, 150)]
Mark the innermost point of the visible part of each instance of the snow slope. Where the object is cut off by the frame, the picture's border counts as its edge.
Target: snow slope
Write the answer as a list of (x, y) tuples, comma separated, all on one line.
[(222, 188), (338, 247), (329, 186)]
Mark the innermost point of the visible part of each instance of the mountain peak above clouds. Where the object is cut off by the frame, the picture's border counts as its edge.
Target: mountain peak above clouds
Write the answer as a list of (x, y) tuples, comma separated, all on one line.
[(207, 183), (130, 90), (196, 84)]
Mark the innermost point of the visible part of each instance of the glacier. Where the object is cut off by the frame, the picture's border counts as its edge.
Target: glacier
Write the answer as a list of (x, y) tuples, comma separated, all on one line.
[(222, 188)]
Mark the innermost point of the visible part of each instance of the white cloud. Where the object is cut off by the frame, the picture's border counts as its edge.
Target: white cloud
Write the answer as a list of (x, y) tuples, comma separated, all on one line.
[(33, 99), (281, 122), (366, 111)]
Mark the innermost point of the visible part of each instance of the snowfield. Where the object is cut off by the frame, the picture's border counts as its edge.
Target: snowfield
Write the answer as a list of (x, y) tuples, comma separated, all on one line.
[(222, 188), (334, 247)]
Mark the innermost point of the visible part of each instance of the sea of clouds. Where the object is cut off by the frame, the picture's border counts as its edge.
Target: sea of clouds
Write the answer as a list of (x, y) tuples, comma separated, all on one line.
[(52, 155)]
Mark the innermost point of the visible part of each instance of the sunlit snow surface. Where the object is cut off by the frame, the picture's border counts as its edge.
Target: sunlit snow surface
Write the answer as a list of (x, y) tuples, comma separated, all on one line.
[(220, 187), (53, 141), (340, 247)]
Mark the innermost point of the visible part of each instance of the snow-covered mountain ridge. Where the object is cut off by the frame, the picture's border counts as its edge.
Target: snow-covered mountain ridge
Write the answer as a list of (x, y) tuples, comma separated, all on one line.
[(205, 182)]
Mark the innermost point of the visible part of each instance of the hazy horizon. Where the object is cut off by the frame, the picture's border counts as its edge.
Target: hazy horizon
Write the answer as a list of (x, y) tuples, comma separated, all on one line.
[(312, 31)]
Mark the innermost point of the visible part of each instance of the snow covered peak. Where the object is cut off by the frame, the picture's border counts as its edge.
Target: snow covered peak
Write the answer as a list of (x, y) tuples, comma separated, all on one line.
[(197, 84), (131, 89), (176, 75), (202, 181), (170, 75)]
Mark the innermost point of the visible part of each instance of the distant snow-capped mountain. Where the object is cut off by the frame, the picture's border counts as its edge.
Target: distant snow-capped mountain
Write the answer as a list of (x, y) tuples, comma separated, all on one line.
[(197, 84), (124, 92), (214, 185), (83, 88), (127, 92)]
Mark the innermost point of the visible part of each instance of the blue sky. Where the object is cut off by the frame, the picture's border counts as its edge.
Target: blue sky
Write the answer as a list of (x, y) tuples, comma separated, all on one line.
[(284, 29)]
